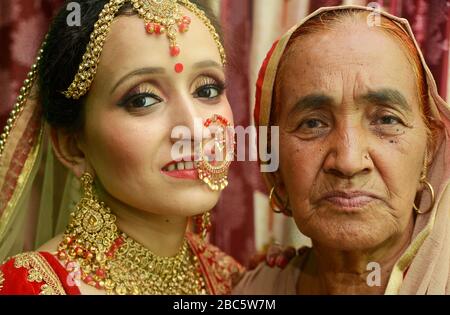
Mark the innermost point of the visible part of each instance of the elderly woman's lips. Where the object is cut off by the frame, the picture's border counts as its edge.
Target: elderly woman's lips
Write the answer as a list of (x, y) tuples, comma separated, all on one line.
[(349, 200)]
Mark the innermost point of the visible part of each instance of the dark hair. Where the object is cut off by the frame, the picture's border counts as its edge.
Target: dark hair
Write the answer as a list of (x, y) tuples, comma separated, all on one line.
[(63, 52)]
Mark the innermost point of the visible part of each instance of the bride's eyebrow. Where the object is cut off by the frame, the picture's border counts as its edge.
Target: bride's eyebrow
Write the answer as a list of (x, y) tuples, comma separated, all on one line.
[(207, 64), (141, 71)]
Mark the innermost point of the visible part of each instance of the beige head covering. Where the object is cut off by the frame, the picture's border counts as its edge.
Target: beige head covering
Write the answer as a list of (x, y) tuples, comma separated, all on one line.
[(424, 268)]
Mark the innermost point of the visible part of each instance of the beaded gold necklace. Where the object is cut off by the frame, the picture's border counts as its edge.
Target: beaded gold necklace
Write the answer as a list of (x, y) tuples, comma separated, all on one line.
[(108, 259)]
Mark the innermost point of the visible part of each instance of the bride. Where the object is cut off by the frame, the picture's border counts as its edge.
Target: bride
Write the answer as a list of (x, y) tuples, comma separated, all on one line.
[(104, 99)]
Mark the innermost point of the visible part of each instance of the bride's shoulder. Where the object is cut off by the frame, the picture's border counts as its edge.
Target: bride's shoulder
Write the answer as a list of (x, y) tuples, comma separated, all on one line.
[(30, 273), (51, 245), (36, 272)]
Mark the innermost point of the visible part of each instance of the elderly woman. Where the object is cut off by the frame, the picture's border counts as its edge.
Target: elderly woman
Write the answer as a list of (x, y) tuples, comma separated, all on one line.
[(364, 161)]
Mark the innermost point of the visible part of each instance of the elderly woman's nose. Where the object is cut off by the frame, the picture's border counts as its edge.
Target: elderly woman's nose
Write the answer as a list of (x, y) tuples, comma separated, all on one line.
[(348, 153)]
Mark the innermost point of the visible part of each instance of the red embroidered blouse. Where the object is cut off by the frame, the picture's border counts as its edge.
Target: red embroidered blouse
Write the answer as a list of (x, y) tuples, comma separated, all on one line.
[(36, 273)]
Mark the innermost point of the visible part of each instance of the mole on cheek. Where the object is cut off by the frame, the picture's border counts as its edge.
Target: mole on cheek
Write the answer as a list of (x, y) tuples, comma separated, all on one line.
[(394, 141)]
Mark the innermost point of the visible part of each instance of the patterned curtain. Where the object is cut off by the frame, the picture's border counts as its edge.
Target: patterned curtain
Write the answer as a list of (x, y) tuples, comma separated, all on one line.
[(23, 24), (430, 21)]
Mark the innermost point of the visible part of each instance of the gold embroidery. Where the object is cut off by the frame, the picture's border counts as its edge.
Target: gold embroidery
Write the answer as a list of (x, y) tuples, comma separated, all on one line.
[(11, 207), (221, 270), (40, 271), (2, 279), (47, 290), (34, 275)]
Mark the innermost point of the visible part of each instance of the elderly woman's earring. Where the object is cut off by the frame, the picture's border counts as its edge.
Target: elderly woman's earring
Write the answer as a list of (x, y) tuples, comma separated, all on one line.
[(274, 200), (431, 189)]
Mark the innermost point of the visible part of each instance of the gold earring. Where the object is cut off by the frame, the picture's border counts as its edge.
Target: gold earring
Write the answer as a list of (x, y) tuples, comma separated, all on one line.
[(90, 235), (273, 203), (93, 210), (206, 224), (92, 223), (431, 189), (203, 224)]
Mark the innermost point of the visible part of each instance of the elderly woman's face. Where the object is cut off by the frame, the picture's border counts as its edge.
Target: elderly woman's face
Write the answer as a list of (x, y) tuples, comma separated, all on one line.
[(352, 141)]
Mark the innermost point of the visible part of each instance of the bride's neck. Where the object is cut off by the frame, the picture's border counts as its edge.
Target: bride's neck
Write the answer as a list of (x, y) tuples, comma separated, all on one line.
[(163, 235)]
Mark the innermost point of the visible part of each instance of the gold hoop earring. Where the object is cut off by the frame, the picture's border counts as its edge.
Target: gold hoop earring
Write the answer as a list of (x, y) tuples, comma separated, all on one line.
[(273, 203), (431, 189)]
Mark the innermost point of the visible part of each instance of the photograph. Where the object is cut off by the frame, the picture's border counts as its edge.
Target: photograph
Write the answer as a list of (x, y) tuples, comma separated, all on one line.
[(252, 150)]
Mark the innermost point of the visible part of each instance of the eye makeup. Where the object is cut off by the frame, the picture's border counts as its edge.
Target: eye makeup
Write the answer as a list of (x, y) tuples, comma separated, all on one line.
[(142, 96), (207, 87)]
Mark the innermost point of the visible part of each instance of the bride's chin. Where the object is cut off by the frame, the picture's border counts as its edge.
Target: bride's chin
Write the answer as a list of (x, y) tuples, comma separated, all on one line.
[(193, 202)]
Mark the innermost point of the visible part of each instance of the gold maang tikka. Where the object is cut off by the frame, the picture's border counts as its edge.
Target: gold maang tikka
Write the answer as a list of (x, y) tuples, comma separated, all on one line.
[(163, 17), (160, 16), (212, 173)]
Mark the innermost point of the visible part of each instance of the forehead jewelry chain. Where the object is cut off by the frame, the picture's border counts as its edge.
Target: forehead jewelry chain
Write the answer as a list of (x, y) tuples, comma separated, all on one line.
[(160, 16)]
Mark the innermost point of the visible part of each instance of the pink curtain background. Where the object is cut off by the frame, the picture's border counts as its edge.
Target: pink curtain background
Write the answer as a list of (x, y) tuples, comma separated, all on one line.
[(23, 24)]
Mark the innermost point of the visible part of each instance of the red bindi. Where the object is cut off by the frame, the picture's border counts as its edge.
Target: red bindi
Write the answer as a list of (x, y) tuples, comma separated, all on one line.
[(179, 68)]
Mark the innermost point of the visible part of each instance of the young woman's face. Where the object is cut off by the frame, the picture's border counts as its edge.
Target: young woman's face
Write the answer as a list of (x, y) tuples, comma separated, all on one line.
[(136, 100)]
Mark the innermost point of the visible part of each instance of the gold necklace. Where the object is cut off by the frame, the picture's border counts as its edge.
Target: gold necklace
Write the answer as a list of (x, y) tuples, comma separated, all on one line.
[(109, 259)]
